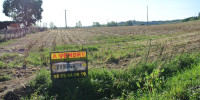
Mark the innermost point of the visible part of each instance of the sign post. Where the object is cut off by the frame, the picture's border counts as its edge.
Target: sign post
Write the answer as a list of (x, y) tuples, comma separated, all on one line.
[(68, 65)]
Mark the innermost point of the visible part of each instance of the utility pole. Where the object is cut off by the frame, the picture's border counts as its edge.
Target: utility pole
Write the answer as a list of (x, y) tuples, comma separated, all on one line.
[(65, 19), (147, 16), (40, 23)]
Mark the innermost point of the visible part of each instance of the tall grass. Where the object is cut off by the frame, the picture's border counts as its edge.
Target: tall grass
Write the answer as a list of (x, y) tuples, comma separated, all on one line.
[(149, 80)]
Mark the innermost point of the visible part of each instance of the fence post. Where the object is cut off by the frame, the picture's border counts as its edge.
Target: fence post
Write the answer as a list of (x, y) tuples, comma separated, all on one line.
[(21, 32), (18, 33), (14, 30), (25, 31), (5, 32), (10, 33)]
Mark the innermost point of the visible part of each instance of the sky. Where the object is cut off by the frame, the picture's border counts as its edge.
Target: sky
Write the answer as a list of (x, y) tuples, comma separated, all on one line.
[(103, 11)]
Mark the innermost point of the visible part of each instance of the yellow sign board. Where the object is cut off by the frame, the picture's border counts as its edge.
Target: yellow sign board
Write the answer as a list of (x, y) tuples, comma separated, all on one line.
[(65, 55), (69, 64)]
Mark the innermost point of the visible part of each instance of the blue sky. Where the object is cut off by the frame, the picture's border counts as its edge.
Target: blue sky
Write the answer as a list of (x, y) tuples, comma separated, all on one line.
[(88, 11)]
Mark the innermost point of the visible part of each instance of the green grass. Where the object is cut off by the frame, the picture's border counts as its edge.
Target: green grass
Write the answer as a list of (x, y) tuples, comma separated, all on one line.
[(162, 78), (7, 42), (9, 56), (130, 38), (10, 60), (107, 50), (37, 59), (142, 79), (145, 81), (2, 64), (183, 85)]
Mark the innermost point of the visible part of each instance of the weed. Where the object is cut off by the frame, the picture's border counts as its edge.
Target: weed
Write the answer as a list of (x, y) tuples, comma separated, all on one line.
[(44, 58), (2, 65), (144, 78), (5, 78), (113, 59), (41, 47), (42, 81), (10, 60), (147, 80), (92, 48), (10, 56)]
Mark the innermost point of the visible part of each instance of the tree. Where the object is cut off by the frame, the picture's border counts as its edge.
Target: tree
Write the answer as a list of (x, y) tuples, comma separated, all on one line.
[(44, 24), (199, 15), (190, 19), (51, 25), (129, 23), (23, 11), (96, 24), (55, 27), (78, 24), (111, 24)]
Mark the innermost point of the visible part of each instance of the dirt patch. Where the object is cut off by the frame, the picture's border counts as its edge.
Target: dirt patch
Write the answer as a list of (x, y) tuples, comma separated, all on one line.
[(11, 85), (20, 78)]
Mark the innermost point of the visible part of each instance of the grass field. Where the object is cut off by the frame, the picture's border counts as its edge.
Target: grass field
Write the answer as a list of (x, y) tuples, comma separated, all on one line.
[(133, 62)]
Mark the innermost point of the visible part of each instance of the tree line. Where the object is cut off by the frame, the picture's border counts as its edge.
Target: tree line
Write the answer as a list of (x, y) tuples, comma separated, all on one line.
[(113, 24), (133, 23), (192, 18)]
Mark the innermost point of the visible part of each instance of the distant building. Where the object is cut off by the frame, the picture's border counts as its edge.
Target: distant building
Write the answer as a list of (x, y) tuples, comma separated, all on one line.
[(10, 25), (14, 26)]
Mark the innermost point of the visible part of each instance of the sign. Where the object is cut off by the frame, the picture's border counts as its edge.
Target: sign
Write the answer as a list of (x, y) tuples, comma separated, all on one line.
[(72, 64)]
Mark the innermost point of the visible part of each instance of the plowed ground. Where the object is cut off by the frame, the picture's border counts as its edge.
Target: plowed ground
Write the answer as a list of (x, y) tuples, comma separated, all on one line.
[(184, 36)]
